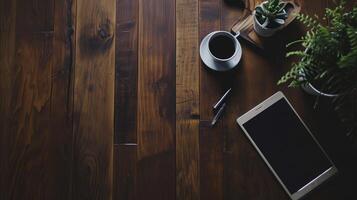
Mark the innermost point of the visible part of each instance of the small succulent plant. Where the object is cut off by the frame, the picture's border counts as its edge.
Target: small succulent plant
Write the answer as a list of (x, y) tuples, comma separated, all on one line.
[(271, 13)]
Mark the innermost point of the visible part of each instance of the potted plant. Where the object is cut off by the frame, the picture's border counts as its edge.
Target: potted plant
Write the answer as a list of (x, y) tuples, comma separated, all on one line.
[(269, 17), (328, 61)]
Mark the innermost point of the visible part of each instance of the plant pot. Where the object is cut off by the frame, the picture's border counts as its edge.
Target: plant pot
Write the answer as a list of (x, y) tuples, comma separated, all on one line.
[(310, 89), (260, 29)]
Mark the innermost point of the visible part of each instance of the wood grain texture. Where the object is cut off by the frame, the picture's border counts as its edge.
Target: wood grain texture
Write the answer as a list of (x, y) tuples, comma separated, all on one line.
[(32, 163), (36, 135), (124, 181), (36, 16), (156, 100), (61, 133), (126, 74), (187, 100), (108, 99), (126, 60), (211, 87), (93, 117), (28, 136), (7, 54)]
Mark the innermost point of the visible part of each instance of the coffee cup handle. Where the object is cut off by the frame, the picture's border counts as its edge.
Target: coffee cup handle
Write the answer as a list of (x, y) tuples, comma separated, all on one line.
[(237, 35)]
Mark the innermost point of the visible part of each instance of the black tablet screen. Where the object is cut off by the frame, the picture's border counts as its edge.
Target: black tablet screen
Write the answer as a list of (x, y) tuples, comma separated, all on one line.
[(287, 145)]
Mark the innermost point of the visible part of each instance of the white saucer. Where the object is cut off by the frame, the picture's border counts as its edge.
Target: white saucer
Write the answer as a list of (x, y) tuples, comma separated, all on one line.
[(207, 59)]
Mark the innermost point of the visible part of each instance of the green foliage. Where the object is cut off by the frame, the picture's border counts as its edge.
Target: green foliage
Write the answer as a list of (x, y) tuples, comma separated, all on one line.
[(308, 21), (329, 58), (271, 13)]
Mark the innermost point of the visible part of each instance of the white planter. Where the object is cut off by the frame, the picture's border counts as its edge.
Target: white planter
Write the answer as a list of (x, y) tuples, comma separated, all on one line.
[(310, 89), (264, 31)]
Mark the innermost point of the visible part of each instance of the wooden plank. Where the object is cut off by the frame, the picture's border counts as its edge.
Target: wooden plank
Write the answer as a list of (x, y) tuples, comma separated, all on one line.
[(93, 117), (211, 88), (30, 151), (36, 16), (126, 71), (156, 100), (27, 135), (7, 59), (125, 172), (211, 161), (187, 160), (61, 140), (187, 100)]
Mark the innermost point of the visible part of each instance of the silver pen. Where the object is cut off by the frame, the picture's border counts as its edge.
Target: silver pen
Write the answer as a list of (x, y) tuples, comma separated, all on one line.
[(218, 115), (222, 99)]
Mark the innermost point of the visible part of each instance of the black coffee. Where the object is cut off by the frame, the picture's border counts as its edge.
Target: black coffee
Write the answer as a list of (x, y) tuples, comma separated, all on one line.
[(222, 46)]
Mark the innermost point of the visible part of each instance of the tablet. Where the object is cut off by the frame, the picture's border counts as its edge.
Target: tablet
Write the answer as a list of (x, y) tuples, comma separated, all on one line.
[(287, 146)]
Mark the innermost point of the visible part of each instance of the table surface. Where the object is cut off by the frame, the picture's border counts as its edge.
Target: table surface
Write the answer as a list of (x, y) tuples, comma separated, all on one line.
[(109, 100)]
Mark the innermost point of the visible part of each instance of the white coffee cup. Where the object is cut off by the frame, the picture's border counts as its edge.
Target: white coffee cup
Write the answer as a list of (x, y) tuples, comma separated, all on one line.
[(220, 50)]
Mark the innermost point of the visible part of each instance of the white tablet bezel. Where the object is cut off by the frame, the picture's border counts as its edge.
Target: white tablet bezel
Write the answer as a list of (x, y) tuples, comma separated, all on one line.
[(312, 184)]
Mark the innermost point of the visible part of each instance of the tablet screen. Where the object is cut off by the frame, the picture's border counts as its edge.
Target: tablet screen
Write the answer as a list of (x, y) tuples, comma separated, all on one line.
[(287, 145)]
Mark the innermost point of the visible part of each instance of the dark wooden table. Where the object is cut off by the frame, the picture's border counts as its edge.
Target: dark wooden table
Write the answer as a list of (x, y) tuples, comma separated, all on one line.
[(109, 100)]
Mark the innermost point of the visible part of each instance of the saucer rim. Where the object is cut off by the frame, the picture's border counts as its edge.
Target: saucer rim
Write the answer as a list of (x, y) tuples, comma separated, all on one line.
[(209, 63)]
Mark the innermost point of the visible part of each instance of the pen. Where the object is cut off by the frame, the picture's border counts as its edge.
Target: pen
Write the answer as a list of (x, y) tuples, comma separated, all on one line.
[(218, 115), (222, 99)]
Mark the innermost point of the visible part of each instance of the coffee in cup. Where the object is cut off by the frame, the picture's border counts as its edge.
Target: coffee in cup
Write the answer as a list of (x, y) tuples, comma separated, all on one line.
[(220, 50), (221, 46)]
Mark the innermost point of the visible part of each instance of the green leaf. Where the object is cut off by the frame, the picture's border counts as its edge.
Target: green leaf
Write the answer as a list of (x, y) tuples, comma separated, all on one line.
[(330, 57)]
